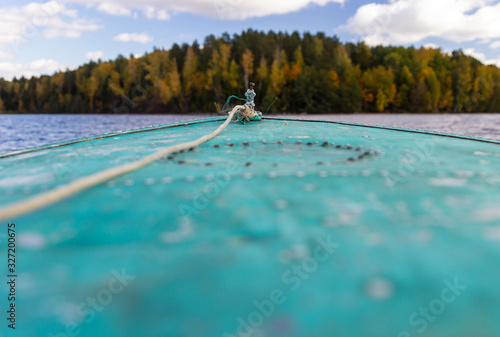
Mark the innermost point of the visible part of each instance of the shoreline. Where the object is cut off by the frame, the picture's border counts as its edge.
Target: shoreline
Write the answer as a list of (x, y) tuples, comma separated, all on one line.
[(269, 114)]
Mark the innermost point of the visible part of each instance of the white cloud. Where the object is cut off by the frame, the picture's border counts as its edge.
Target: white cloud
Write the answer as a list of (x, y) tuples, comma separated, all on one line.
[(495, 44), (114, 9), (49, 20), (72, 29), (472, 52), (5, 55), (9, 70), (431, 46), (219, 9), (481, 57), (162, 15), (152, 13), (94, 55), (410, 21), (133, 37)]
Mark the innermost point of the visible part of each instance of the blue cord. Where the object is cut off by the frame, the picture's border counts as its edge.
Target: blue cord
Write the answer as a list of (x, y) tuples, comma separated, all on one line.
[(272, 104)]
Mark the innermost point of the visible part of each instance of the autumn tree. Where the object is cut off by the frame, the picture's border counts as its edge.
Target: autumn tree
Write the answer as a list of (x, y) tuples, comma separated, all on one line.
[(379, 89), (262, 72), (306, 72), (192, 79), (462, 81), (348, 89), (277, 79), (247, 64)]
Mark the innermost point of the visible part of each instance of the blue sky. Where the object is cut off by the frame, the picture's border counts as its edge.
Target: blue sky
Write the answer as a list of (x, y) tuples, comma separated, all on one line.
[(43, 37)]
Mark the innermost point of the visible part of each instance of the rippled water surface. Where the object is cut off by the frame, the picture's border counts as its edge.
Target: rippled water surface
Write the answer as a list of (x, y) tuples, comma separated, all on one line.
[(24, 131)]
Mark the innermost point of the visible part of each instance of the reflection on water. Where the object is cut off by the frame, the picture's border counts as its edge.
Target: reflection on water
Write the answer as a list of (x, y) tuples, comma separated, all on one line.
[(24, 131)]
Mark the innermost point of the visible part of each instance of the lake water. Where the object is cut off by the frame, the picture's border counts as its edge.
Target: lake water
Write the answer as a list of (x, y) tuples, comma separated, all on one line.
[(24, 131)]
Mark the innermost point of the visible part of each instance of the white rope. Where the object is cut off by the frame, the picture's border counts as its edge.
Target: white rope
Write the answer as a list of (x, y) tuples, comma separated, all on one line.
[(65, 191)]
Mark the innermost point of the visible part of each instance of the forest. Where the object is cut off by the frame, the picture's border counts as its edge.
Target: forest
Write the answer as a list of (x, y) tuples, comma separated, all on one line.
[(301, 72)]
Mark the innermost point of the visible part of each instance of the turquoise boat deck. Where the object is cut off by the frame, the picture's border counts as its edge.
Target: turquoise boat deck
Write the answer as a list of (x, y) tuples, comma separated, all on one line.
[(277, 228)]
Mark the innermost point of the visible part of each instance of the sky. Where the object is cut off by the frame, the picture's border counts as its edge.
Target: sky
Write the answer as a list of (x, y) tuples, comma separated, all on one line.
[(48, 36)]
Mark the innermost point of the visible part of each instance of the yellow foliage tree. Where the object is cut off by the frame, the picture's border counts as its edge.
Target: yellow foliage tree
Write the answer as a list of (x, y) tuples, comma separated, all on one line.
[(298, 66), (262, 71), (163, 77), (335, 78), (174, 78), (379, 83), (222, 71), (278, 72), (189, 72), (114, 83), (446, 102), (247, 61)]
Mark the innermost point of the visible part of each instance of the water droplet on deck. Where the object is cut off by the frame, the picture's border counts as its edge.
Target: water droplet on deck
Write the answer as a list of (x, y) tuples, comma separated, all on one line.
[(310, 187), (167, 180), (447, 182), (281, 204), (296, 252), (366, 173), (464, 174), (323, 174), (149, 181), (32, 240), (379, 289)]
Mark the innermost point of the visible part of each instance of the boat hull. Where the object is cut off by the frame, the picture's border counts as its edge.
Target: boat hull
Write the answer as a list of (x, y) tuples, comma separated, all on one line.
[(275, 228)]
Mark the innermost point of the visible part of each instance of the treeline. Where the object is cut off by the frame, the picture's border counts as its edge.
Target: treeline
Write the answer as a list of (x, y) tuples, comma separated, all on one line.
[(307, 73)]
